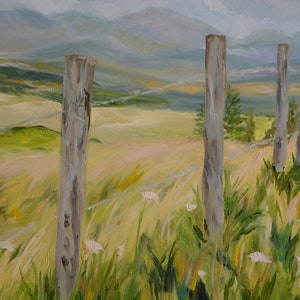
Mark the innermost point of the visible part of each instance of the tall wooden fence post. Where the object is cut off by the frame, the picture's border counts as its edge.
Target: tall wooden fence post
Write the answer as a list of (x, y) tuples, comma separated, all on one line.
[(212, 182), (298, 142), (77, 87), (280, 143)]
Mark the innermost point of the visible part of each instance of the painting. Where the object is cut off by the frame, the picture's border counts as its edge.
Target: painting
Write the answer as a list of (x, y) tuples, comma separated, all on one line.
[(188, 160)]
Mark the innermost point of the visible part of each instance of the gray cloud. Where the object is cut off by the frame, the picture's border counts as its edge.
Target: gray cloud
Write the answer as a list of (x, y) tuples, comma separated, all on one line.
[(233, 17)]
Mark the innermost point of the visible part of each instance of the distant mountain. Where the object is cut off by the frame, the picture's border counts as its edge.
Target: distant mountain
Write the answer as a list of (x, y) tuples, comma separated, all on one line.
[(157, 42), (23, 31), (166, 26), (26, 17), (108, 35), (262, 38), (262, 45)]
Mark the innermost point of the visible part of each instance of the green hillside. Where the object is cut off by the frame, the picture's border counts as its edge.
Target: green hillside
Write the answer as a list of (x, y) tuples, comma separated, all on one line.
[(35, 137), (19, 81)]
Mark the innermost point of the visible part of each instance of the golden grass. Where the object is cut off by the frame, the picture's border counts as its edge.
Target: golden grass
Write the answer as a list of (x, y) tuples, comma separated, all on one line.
[(186, 88), (16, 80), (141, 151), (189, 88), (263, 88), (53, 85), (151, 83), (27, 111), (108, 124), (256, 88), (244, 88), (46, 67), (294, 89)]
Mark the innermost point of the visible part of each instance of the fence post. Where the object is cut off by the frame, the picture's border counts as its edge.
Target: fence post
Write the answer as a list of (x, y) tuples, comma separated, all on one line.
[(212, 182), (298, 140), (77, 89), (280, 143)]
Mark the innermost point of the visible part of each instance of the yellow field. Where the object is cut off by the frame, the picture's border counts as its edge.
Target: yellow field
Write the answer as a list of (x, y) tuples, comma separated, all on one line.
[(263, 88), (245, 88), (141, 151)]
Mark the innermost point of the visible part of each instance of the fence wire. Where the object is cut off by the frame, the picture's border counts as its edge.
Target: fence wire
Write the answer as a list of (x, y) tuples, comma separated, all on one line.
[(181, 82), (162, 89), (259, 144)]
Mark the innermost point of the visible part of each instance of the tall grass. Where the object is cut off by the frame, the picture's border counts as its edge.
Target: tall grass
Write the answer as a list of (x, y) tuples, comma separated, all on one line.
[(155, 243)]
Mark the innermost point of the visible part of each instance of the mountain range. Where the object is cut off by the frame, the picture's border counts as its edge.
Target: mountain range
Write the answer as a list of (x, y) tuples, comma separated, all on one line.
[(159, 42)]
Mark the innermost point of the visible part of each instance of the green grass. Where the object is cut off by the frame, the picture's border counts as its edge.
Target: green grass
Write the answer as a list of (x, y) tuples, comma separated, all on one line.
[(262, 124), (153, 249), (102, 95), (35, 137), (18, 81), (54, 95), (13, 88), (146, 101), (164, 244), (9, 72)]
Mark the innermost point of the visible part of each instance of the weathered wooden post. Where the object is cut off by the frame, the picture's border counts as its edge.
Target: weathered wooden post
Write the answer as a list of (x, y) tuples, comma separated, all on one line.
[(280, 143), (298, 141), (77, 88), (212, 182)]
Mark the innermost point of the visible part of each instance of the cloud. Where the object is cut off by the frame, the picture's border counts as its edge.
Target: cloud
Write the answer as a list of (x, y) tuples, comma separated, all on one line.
[(287, 8), (45, 7), (235, 18), (217, 5)]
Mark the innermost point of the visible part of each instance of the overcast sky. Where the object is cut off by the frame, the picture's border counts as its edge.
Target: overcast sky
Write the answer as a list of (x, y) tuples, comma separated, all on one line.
[(236, 18)]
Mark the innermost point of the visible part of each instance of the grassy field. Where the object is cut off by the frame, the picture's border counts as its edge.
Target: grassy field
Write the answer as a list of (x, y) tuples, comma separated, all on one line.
[(144, 233)]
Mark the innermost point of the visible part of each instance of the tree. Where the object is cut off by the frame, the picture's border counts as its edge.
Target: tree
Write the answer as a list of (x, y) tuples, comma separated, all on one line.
[(270, 133), (232, 118), (249, 135), (199, 126), (292, 123)]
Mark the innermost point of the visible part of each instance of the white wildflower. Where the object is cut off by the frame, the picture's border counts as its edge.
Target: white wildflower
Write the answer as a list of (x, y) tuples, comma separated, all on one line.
[(150, 196), (190, 207), (94, 246), (121, 250), (201, 273), (7, 246), (259, 257)]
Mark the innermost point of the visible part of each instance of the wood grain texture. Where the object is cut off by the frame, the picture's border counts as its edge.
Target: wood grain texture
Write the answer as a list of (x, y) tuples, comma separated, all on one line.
[(78, 87), (212, 183), (298, 142), (280, 143)]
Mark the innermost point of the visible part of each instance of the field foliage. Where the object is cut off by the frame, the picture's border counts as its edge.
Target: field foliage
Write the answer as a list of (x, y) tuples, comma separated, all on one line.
[(144, 232)]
